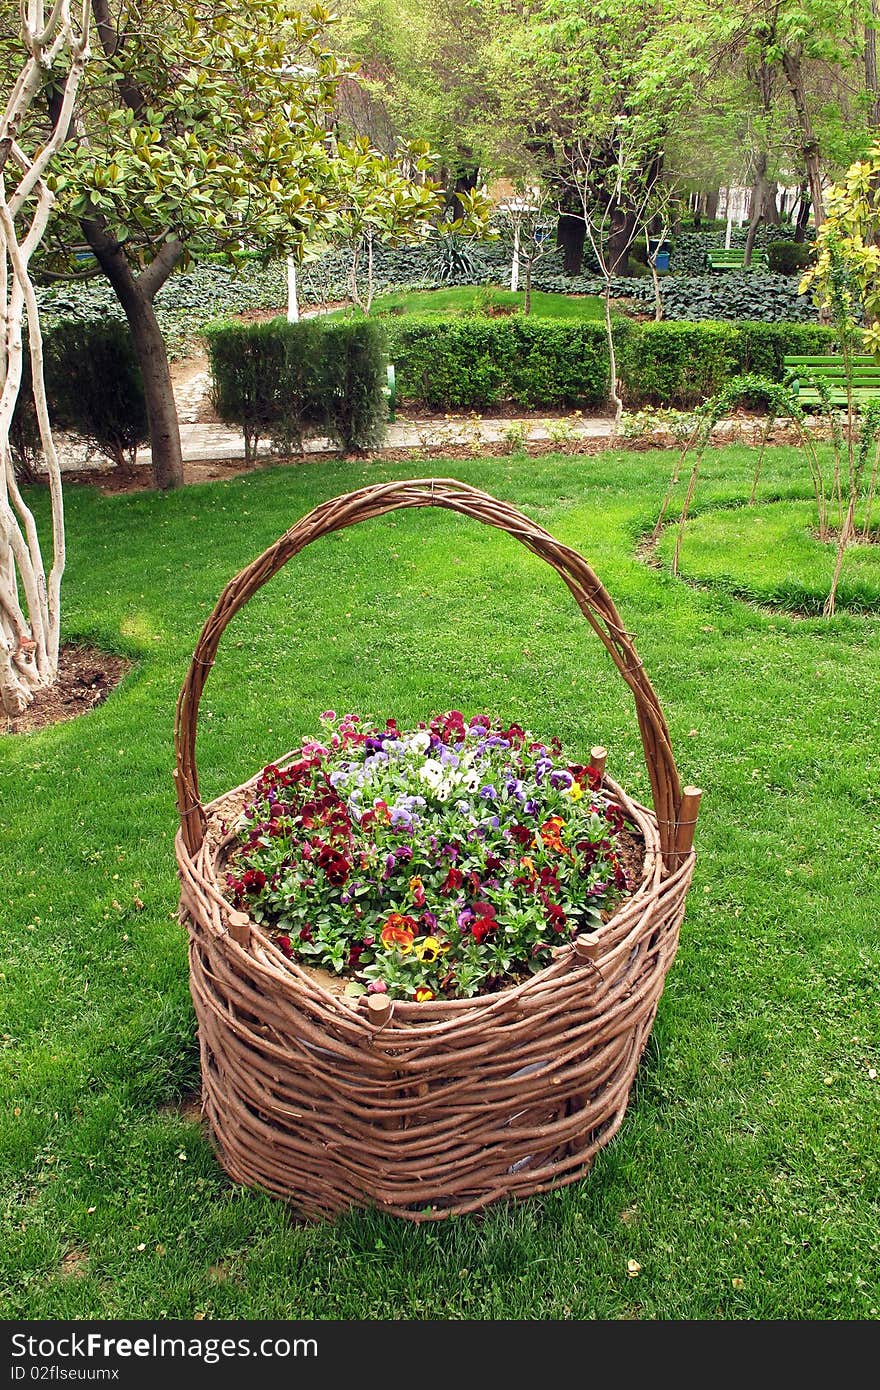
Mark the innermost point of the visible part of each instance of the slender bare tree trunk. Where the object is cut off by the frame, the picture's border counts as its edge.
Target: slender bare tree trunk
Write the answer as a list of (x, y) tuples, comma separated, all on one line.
[(30, 603), (613, 385)]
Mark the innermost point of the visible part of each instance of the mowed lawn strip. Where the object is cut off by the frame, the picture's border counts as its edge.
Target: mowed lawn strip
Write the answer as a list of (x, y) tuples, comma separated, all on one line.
[(744, 1181), (469, 299)]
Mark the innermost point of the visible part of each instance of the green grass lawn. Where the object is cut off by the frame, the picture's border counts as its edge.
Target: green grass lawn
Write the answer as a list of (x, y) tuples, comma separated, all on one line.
[(744, 1180), (771, 553), (470, 299)]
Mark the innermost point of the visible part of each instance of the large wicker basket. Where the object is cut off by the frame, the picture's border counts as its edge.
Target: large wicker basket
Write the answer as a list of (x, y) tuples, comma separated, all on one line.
[(425, 1109)]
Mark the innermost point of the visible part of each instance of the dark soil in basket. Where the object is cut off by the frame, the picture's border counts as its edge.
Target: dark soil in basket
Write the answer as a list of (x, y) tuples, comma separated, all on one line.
[(86, 676)]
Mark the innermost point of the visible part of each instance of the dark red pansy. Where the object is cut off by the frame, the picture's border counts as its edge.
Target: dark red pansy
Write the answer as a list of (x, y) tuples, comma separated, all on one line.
[(285, 945), (335, 866), (556, 918), (452, 882)]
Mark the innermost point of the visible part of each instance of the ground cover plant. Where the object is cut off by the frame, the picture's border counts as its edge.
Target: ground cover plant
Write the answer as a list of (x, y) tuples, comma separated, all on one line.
[(744, 1181)]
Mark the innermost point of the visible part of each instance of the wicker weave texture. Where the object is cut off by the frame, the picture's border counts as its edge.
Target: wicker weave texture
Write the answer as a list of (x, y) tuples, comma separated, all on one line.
[(450, 1104)]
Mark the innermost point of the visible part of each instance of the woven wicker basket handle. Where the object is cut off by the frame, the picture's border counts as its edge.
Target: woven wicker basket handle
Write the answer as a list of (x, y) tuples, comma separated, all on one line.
[(368, 502)]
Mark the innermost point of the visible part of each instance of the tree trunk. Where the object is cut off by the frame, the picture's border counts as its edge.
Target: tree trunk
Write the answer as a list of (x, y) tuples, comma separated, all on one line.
[(803, 215), (464, 183), (527, 300), (871, 68), (712, 205), (152, 357), (760, 199), (809, 144), (135, 294), (623, 225), (613, 391), (570, 236)]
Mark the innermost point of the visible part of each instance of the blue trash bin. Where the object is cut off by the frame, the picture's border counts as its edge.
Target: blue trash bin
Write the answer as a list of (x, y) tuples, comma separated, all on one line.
[(663, 251)]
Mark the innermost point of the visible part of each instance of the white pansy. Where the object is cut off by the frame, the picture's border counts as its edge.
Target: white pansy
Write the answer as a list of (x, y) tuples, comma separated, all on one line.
[(431, 772)]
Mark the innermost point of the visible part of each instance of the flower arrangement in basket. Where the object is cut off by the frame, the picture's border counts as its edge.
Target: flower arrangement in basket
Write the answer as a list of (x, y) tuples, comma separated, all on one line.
[(425, 962), (440, 862)]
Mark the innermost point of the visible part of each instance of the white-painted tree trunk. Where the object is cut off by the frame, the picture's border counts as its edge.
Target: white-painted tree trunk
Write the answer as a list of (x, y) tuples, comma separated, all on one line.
[(292, 295), (30, 611)]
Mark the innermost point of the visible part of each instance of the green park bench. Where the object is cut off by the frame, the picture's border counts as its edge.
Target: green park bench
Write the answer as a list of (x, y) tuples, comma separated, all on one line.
[(721, 258), (802, 373)]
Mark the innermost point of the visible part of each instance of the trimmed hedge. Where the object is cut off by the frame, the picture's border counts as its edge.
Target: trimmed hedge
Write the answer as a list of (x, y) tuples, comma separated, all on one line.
[(682, 364), (762, 346), (677, 364), (24, 430), (285, 381), (475, 363), (93, 389), (351, 381), (789, 257)]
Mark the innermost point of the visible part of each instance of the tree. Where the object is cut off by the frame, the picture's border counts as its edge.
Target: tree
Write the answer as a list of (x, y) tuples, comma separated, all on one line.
[(202, 128), (207, 127), (391, 200), (845, 280), (573, 84), (56, 51), (524, 217), (617, 200), (423, 66), (819, 51)]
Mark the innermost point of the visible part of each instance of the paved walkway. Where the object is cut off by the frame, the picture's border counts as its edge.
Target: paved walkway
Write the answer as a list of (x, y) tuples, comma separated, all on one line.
[(213, 441), (204, 438)]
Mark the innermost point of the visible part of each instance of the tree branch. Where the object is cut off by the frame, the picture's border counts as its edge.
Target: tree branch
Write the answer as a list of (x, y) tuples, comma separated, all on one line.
[(156, 273), (112, 42)]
